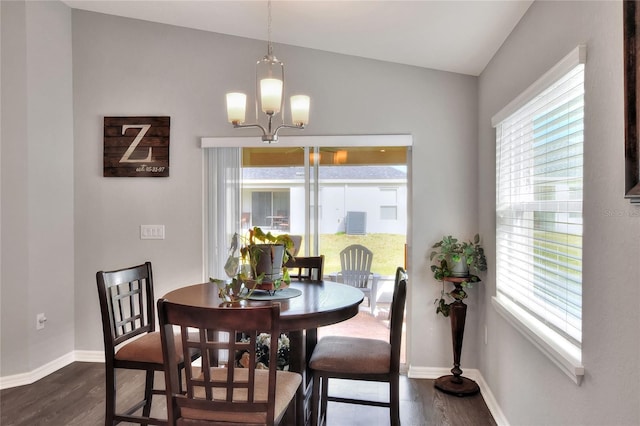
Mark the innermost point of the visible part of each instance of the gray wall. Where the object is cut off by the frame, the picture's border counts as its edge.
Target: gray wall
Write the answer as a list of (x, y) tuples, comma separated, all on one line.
[(527, 386), (130, 67), (37, 185)]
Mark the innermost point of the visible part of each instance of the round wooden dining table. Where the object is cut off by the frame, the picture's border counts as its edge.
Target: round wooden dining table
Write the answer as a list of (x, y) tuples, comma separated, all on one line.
[(320, 303)]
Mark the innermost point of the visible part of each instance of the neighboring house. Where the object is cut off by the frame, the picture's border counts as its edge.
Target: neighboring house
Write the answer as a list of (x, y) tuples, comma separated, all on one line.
[(351, 199)]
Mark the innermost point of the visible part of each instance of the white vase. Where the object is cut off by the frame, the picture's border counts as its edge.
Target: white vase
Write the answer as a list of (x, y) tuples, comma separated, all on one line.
[(460, 269)]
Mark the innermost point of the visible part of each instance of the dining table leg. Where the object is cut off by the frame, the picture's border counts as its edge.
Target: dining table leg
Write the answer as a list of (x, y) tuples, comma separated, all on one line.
[(302, 343)]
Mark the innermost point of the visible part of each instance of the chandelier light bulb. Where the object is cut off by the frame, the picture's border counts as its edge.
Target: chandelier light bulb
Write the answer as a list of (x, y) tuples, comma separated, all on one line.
[(236, 107), (271, 95), (300, 110)]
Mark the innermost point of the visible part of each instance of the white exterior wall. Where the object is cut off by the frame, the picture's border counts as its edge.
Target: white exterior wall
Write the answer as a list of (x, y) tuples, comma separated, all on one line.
[(338, 199)]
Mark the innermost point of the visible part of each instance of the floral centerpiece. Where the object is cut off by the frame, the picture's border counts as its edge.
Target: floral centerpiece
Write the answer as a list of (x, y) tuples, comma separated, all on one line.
[(263, 342)]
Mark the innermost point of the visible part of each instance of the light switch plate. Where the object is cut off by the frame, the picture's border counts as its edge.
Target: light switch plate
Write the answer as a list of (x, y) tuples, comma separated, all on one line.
[(152, 232)]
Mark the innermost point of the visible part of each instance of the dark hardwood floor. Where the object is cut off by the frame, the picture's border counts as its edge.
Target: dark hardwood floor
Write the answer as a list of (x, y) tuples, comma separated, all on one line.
[(74, 396)]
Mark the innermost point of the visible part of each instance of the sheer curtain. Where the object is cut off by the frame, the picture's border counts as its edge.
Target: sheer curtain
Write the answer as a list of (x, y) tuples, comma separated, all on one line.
[(224, 210)]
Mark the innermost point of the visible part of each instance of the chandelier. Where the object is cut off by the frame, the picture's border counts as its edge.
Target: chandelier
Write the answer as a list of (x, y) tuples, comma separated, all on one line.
[(269, 97)]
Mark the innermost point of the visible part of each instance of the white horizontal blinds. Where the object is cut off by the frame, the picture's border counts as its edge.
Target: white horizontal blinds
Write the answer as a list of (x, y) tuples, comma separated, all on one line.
[(539, 206)]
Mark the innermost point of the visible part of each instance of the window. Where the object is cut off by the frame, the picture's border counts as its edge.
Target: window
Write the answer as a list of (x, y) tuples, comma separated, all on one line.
[(389, 203), (539, 139), (388, 212)]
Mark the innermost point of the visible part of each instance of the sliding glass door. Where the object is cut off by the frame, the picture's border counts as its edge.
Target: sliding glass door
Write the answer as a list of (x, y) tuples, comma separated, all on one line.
[(332, 195)]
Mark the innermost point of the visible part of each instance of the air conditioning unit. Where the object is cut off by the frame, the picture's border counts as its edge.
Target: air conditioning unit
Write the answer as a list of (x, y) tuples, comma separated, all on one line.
[(356, 223)]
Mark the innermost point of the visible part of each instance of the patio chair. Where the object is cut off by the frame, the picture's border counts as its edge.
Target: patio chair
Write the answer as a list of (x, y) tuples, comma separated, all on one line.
[(355, 261)]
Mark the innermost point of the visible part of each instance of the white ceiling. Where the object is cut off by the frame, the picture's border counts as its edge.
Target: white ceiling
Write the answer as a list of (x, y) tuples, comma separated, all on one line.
[(457, 36)]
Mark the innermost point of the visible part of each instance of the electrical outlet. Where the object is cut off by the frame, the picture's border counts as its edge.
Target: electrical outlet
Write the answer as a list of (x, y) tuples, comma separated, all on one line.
[(41, 319)]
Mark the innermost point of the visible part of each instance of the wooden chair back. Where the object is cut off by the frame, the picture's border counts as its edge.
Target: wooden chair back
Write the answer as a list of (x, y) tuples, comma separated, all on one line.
[(355, 261), (126, 305), (306, 268), (377, 360), (219, 390), (396, 315), (130, 339)]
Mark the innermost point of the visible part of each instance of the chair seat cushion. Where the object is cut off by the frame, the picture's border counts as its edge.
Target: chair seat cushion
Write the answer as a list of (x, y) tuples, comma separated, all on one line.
[(287, 384), (147, 348), (340, 354)]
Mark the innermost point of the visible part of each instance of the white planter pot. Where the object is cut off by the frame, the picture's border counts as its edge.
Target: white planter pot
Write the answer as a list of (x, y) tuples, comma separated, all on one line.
[(460, 269)]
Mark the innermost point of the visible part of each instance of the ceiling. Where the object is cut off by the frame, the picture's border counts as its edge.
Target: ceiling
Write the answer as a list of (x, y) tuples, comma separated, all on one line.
[(456, 36)]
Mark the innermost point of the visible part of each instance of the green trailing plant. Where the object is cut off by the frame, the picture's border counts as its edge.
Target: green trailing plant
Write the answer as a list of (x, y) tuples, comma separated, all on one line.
[(243, 258), (251, 252), (448, 252)]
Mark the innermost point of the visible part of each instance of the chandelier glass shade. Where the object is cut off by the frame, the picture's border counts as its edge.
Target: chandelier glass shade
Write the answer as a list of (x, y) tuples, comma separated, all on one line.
[(269, 98)]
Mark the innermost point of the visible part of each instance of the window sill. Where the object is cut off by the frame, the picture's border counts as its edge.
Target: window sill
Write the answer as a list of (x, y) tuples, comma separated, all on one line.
[(565, 358)]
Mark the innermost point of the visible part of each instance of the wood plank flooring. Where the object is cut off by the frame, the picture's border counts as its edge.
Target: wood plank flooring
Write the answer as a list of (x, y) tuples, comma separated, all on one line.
[(74, 396)]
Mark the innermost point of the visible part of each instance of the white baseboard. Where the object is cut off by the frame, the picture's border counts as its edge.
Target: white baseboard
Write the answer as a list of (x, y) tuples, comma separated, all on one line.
[(89, 356), (491, 402), (473, 374), (98, 356), (51, 367)]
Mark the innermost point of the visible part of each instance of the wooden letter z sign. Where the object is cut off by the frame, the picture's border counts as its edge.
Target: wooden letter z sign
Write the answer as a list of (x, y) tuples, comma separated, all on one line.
[(136, 146)]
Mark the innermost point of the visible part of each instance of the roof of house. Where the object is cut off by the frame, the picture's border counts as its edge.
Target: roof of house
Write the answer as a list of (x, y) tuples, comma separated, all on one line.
[(326, 173)]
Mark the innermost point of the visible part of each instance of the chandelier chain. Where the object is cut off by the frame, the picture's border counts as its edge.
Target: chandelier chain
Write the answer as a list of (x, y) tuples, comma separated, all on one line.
[(269, 45)]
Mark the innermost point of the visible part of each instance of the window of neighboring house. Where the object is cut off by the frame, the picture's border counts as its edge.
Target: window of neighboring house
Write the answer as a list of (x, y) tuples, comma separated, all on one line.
[(270, 209), (388, 212), (539, 178), (389, 203)]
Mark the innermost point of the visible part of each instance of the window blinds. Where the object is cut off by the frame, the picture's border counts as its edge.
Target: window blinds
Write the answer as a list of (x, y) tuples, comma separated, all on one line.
[(539, 204)]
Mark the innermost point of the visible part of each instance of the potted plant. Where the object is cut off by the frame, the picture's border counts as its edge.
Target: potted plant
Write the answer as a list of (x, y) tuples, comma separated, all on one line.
[(456, 262), (457, 259), (256, 264), (266, 254)]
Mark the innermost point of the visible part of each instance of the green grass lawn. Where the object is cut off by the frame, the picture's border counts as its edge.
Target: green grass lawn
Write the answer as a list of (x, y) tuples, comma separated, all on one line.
[(388, 250)]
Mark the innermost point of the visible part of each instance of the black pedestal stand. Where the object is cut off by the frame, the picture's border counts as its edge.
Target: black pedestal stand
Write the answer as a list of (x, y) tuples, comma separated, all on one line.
[(455, 384)]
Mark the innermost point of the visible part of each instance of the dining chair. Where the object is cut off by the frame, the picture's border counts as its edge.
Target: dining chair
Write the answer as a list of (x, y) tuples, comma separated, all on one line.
[(355, 358), (355, 261), (306, 268), (219, 391), (130, 339)]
